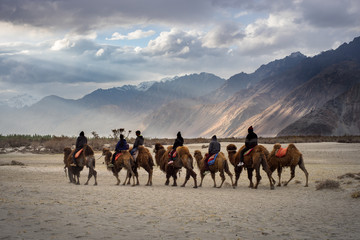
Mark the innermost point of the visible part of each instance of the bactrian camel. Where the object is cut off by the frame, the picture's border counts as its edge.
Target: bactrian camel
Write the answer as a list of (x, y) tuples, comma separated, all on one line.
[(220, 165), (292, 158), (124, 161), (252, 161), (184, 159), (86, 158)]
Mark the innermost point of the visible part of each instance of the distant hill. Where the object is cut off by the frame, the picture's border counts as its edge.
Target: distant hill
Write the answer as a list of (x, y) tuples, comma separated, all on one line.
[(296, 95)]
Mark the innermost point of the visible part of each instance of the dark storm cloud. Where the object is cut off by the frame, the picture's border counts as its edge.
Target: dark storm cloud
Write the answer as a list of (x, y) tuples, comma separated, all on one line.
[(83, 15)]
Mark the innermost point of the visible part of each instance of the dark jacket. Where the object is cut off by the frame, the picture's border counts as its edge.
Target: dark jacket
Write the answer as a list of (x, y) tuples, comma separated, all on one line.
[(121, 145), (179, 141), (214, 146), (80, 142), (251, 139), (139, 141)]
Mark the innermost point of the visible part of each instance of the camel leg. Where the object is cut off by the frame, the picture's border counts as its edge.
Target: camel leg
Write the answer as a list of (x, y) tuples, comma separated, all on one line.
[(222, 175), (202, 177), (167, 179), (187, 177), (237, 171), (89, 176), (292, 174), (258, 177), (250, 175), (231, 177), (268, 172), (126, 178), (150, 172), (213, 178), (117, 177), (136, 176), (193, 174), (78, 179), (302, 167), (279, 171), (174, 178)]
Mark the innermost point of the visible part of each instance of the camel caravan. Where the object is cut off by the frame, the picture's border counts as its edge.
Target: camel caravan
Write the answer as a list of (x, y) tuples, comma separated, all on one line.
[(173, 158)]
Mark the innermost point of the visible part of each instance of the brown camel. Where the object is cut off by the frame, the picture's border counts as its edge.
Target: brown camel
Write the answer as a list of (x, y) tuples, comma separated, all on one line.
[(292, 158), (184, 159), (144, 159), (253, 161), (220, 165), (86, 158), (124, 161)]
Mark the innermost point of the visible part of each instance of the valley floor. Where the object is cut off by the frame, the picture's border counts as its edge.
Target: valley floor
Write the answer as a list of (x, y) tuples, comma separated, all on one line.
[(37, 202)]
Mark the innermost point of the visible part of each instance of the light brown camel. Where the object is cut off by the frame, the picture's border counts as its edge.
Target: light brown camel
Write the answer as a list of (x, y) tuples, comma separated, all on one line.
[(144, 159), (184, 159), (253, 161), (220, 165), (86, 158), (292, 158), (124, 161)]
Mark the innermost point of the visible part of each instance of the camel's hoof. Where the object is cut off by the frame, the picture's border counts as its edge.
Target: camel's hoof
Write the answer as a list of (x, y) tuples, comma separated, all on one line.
[(306, 185), (86, 184), (182, 186), (95, 184), (279, 185), (195, 187), (272, 187)]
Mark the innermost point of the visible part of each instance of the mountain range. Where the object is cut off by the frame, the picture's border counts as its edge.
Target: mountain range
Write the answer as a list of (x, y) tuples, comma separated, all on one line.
[(296, 95)]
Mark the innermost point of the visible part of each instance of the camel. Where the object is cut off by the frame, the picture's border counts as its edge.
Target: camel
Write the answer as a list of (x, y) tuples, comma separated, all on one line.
[(86, 158), (220, 165), (184, 159), (292, 158), (257, 157), (124, 161), (144, 159)]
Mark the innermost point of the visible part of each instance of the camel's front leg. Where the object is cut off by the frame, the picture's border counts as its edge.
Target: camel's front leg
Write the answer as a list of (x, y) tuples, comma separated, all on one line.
[(202, 175), (279, 171), (213, 178)]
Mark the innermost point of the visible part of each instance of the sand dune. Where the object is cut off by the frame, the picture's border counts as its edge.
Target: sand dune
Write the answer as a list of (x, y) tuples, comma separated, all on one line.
[(37, 202)]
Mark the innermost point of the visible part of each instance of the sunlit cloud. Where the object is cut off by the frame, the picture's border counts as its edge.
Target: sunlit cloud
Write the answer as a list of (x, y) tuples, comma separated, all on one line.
[(138, 34)]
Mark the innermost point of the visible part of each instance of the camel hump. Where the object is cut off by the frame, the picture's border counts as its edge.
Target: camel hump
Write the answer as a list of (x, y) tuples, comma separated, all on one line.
[(291, 146)]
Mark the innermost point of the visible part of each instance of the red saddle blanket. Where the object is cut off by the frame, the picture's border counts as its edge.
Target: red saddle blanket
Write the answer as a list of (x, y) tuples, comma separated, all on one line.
[(281, 152), (117, 156), (172, 154), (78, 153), (248, 152)]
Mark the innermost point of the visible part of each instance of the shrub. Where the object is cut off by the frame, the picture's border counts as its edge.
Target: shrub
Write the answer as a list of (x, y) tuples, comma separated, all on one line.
[(327, 184)]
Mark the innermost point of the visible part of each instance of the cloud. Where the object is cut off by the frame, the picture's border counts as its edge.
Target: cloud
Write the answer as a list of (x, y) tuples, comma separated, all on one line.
[(138, 34), (223, 35)]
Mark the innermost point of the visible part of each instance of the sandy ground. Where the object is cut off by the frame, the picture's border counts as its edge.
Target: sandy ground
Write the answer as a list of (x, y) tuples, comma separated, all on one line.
[(37, 202)]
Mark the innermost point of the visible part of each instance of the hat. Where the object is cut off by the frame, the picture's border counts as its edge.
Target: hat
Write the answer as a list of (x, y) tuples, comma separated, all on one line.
[(250, 128)]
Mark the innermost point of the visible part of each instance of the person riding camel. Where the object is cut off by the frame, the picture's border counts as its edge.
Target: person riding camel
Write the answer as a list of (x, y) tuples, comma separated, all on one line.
[(179, 141), (139, 141), (121, 145), (251, 141), (80, 142), (214, 148)]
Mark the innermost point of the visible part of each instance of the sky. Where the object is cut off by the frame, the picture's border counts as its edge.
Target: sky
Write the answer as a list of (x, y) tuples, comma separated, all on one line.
[(70, 48)]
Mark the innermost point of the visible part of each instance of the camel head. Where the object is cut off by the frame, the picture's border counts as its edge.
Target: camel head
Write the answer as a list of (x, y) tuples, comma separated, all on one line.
[(277, 146), (105, 151), (158, 146), (231, 148), (198, 156)]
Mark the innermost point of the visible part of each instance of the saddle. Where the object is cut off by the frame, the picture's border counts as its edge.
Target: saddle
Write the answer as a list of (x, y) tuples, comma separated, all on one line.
[(248, 152), (172, 154), (281, 152), (78, 153), (117, 156), (212, 159)]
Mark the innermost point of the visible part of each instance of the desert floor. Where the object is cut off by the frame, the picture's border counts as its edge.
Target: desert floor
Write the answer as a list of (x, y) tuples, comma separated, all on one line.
[(38, 202)]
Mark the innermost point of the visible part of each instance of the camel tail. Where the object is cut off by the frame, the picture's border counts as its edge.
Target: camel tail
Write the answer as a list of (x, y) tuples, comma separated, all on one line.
[(301, 160), (65, 171), (226, 166)]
